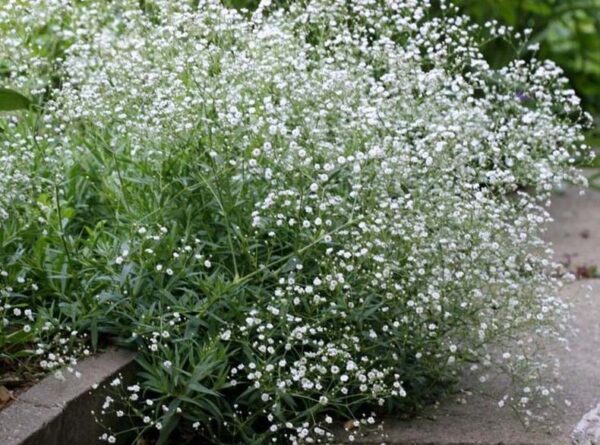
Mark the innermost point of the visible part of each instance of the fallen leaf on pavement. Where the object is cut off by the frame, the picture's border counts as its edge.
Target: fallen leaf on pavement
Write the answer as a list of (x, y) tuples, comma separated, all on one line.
[(5, 396), (349, 425)]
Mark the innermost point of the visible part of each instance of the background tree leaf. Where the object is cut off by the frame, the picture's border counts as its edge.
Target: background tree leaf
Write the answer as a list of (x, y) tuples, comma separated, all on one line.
[(11, 100)]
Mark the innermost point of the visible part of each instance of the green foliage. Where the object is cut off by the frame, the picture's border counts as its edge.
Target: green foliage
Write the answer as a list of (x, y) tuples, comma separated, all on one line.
[(11, 100)]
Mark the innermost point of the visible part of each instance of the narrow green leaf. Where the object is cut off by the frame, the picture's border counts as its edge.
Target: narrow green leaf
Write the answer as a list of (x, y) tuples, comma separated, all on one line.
[(198, 387), (170, 423), (192, 327), (94, 333)]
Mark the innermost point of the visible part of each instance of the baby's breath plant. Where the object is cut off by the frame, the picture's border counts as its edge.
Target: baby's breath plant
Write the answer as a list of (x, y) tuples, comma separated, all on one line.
[(308, 213)]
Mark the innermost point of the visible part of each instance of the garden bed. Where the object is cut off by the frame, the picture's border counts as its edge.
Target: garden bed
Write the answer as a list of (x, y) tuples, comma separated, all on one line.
[(301, 217), (61, 411)]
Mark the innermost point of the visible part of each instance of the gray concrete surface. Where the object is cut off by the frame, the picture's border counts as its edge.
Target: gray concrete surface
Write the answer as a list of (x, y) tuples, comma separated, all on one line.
[(57, 412), (575, 232), (588, 429)]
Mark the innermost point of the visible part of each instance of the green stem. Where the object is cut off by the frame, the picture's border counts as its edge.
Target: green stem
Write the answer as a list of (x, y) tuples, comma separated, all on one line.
[(60, 225)]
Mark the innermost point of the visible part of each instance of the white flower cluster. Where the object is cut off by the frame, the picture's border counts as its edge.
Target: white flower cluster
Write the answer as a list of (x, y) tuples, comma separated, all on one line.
[(36, 341), (377, 186)]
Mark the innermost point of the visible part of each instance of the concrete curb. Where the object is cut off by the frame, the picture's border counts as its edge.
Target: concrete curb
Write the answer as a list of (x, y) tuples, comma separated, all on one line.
[(57, 412)]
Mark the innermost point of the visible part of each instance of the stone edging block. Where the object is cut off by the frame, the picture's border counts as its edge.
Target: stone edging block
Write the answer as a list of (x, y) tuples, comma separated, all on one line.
[(58, 412)]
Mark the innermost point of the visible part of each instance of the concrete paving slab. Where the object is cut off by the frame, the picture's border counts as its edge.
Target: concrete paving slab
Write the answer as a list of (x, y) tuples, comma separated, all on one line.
[(574, 232)]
